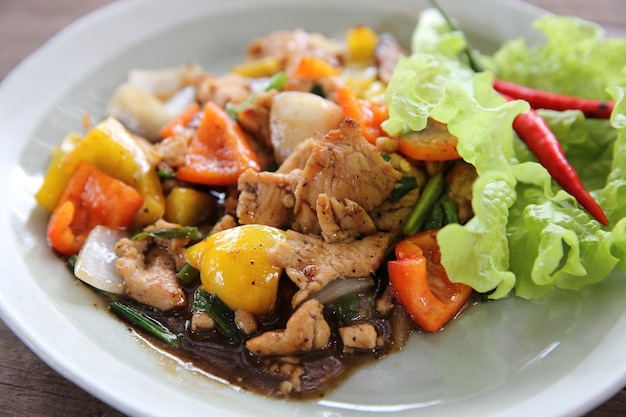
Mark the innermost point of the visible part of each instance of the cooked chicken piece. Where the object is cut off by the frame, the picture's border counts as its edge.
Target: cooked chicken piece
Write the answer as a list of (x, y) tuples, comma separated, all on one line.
[(288, 47), (292, 372), (384, 303), (224, 89), (460, 178), (266, 198), (226, 222), (201, 321), (387, 52), (311, 263), (174, 247), (245, 321), (358, 336), (306, 330), (299, 156), (255, 118), (343, 166), (342, 221), (172, 150), (391, 215), (149, 279)]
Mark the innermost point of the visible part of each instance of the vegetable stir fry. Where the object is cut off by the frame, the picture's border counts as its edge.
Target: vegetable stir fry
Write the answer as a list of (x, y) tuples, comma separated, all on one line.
[(286, 222)]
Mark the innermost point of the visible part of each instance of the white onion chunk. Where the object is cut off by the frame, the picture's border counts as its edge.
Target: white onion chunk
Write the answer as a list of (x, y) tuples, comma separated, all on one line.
[(95, 263)]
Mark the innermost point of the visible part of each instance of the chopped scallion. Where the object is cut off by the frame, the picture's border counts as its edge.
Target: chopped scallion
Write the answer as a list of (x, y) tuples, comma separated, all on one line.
[(402, 187), (166, 175), (449, 211), (187, 232), (223, 316), (187, 273), (144, 322), (431, 193), (275, 82)]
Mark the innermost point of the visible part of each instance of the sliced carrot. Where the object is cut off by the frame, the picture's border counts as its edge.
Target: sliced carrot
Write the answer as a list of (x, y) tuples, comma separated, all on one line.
[(369, 114), (218, 152), (313, 67), (181, 122), (434, 143), (91, 198), (421, 284)]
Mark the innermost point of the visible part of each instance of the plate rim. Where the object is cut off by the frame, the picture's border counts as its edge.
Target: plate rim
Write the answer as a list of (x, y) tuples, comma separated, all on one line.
[(27, 332)]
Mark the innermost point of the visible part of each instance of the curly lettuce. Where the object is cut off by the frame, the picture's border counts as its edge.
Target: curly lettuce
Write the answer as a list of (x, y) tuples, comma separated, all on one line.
[(527, 236)]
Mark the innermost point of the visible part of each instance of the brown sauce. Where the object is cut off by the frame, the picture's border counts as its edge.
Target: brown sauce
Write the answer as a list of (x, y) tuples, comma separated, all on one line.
[(212, 352)]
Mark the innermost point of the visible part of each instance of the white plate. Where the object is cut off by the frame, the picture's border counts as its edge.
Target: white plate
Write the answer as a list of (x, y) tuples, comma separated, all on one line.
[(561, 356)]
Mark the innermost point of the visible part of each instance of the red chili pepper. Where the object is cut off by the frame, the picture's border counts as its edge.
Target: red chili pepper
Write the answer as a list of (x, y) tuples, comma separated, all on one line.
[(535, 132), (540, 99)]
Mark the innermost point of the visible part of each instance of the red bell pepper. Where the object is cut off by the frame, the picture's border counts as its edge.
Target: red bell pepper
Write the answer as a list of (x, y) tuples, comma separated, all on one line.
[(421, 285)]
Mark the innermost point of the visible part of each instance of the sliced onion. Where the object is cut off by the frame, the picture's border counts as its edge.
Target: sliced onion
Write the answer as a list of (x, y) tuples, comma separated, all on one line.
[(140, 111), (180, 101), (163, 82), (95, 263), (342, 286), (296, 116), (401, 327)]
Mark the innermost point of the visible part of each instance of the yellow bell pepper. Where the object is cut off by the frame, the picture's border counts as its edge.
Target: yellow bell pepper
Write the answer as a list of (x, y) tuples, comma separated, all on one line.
[(361, 42), (262, 67), (233, 265), (112, 149), (188, 206)]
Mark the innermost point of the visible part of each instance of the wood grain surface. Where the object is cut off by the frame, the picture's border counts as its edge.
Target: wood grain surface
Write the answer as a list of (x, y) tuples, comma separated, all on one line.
[(29, 387)]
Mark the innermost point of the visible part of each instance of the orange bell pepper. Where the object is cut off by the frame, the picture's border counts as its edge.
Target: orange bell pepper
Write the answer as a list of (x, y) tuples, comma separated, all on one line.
[(218, 152), (91, 198), (181, 122), (315, 68), (369, 114), (421, 285)]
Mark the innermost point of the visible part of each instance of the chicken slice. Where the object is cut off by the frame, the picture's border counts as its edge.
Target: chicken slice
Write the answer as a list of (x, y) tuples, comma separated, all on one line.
[(311, 263), (306, 330), (358, 336)]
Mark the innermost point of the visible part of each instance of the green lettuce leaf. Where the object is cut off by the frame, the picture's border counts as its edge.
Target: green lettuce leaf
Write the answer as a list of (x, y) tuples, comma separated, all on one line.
[(575, 59), (527, 235)]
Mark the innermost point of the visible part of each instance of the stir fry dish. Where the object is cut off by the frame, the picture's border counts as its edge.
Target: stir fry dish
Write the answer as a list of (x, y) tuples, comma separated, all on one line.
[(305, 213)]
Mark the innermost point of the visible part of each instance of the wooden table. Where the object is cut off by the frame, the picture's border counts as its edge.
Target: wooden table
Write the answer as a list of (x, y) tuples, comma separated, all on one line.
[(28, 387)]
